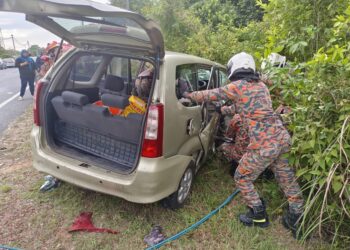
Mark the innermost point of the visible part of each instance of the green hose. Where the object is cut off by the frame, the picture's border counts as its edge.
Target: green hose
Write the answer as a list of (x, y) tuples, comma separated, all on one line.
[(2, 247), (197, 224)]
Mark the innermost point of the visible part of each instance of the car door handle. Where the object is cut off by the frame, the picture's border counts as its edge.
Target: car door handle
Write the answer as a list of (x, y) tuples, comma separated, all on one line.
[(190, 127)]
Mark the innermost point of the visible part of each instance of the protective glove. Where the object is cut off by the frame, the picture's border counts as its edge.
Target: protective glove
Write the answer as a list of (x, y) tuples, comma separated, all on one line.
[(186, 95)]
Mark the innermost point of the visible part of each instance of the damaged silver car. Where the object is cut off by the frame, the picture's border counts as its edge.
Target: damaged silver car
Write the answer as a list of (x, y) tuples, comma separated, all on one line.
[(93, 126)]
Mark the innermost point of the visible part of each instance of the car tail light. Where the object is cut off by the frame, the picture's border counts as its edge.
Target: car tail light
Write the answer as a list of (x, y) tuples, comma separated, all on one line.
[(36, 106), (153, 140)]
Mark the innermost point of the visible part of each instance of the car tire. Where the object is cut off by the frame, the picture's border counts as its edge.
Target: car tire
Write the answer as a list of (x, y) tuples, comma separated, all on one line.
[(178, 198)]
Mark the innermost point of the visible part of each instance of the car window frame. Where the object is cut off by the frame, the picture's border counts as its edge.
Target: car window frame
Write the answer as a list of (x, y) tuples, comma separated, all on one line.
[(93, 76), (195, 67), (220, 70)]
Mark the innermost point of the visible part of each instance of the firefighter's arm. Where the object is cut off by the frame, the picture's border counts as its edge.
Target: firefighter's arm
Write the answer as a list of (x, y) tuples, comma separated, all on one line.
[(228, 110), (225, 93)]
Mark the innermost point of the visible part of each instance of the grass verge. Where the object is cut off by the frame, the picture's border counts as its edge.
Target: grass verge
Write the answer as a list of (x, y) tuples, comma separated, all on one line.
[(34, 220)]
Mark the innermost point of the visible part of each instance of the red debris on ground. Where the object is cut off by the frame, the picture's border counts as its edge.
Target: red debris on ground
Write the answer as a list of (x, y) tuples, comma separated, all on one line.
[(83, 223)]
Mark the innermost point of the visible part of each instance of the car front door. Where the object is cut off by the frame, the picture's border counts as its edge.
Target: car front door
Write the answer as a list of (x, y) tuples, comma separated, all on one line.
[(207, 78), (201, 118)]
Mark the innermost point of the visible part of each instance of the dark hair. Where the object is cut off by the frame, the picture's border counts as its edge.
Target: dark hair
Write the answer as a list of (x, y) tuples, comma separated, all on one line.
[(245, 74)]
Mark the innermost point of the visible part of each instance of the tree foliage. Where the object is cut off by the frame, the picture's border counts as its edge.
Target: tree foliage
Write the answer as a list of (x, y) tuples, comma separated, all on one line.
[(35, 50), (215, 13), (7, 53), (300, 27), (247, 11), (134, 5)]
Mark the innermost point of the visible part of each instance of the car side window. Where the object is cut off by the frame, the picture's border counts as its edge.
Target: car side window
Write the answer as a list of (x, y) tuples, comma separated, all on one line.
[(203, 77), (195, 77), (118, 67), (185, 79), (187, 73), (222, 78), (85, 67)]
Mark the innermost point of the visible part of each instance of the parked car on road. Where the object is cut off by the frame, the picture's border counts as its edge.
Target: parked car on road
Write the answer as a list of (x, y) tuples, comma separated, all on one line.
[(142, 157), (10, 62), (2, 64)]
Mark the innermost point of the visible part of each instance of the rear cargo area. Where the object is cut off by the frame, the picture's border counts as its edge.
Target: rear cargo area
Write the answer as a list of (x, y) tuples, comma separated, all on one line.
[(87, 123)]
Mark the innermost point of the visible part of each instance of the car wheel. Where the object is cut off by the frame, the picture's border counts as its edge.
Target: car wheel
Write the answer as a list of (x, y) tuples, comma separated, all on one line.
[(177, 199)]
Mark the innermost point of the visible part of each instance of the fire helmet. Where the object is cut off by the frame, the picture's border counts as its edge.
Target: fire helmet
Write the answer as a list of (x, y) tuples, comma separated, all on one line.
[(240, 63)]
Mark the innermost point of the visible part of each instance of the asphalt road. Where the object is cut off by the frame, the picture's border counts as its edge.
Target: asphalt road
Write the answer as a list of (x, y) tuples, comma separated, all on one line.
[(10, 107)]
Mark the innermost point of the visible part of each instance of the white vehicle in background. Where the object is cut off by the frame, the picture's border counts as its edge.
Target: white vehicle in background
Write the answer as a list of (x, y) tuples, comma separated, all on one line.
[(2, 64), (10, 62)]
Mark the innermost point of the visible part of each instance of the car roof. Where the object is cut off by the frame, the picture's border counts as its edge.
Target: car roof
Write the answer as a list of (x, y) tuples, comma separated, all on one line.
[(181, 56)]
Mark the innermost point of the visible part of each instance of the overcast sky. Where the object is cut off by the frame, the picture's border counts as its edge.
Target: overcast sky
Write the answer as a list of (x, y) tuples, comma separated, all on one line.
[(23, 31)]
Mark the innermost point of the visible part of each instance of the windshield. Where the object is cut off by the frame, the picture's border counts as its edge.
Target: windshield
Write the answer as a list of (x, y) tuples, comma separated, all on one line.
[(113, 26)]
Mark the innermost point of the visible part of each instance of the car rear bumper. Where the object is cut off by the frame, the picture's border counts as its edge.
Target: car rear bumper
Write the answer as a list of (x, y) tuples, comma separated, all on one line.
[(153, 180)]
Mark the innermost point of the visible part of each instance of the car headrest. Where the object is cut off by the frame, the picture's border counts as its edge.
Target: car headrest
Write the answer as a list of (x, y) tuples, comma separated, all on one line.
[(75, 98), (114, 83), (182, 86), (115, 101)]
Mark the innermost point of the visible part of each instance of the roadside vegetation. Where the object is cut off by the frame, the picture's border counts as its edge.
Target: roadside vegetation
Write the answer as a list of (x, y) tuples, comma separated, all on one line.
[(315, 37), (34, 220), (5, 53), (8, 53)]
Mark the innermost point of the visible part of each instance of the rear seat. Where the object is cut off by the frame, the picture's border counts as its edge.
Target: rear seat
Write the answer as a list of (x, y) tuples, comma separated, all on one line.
[(114, 85), (117, 101), (75, 108), (69, 107)]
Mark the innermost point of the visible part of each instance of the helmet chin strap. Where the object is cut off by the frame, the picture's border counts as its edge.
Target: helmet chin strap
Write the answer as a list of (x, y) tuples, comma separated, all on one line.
[(240, 62), (244, 74)]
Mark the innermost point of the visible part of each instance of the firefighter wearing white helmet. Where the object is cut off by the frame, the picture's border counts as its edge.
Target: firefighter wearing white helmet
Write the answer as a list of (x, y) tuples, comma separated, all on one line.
[(268, 141), (240, 63), (275, 60)]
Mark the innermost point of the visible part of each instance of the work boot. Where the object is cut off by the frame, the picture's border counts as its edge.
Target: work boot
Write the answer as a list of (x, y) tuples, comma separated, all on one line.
[(268, 174), (256, 216), (233, 167), (291, 221)]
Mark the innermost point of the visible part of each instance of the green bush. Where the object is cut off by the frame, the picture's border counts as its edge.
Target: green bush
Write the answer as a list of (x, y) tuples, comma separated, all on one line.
[(320, 125)]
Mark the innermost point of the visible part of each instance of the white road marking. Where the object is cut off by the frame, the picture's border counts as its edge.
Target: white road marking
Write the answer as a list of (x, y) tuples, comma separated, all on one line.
[(3, 104), (10, 93), (8, 100)]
